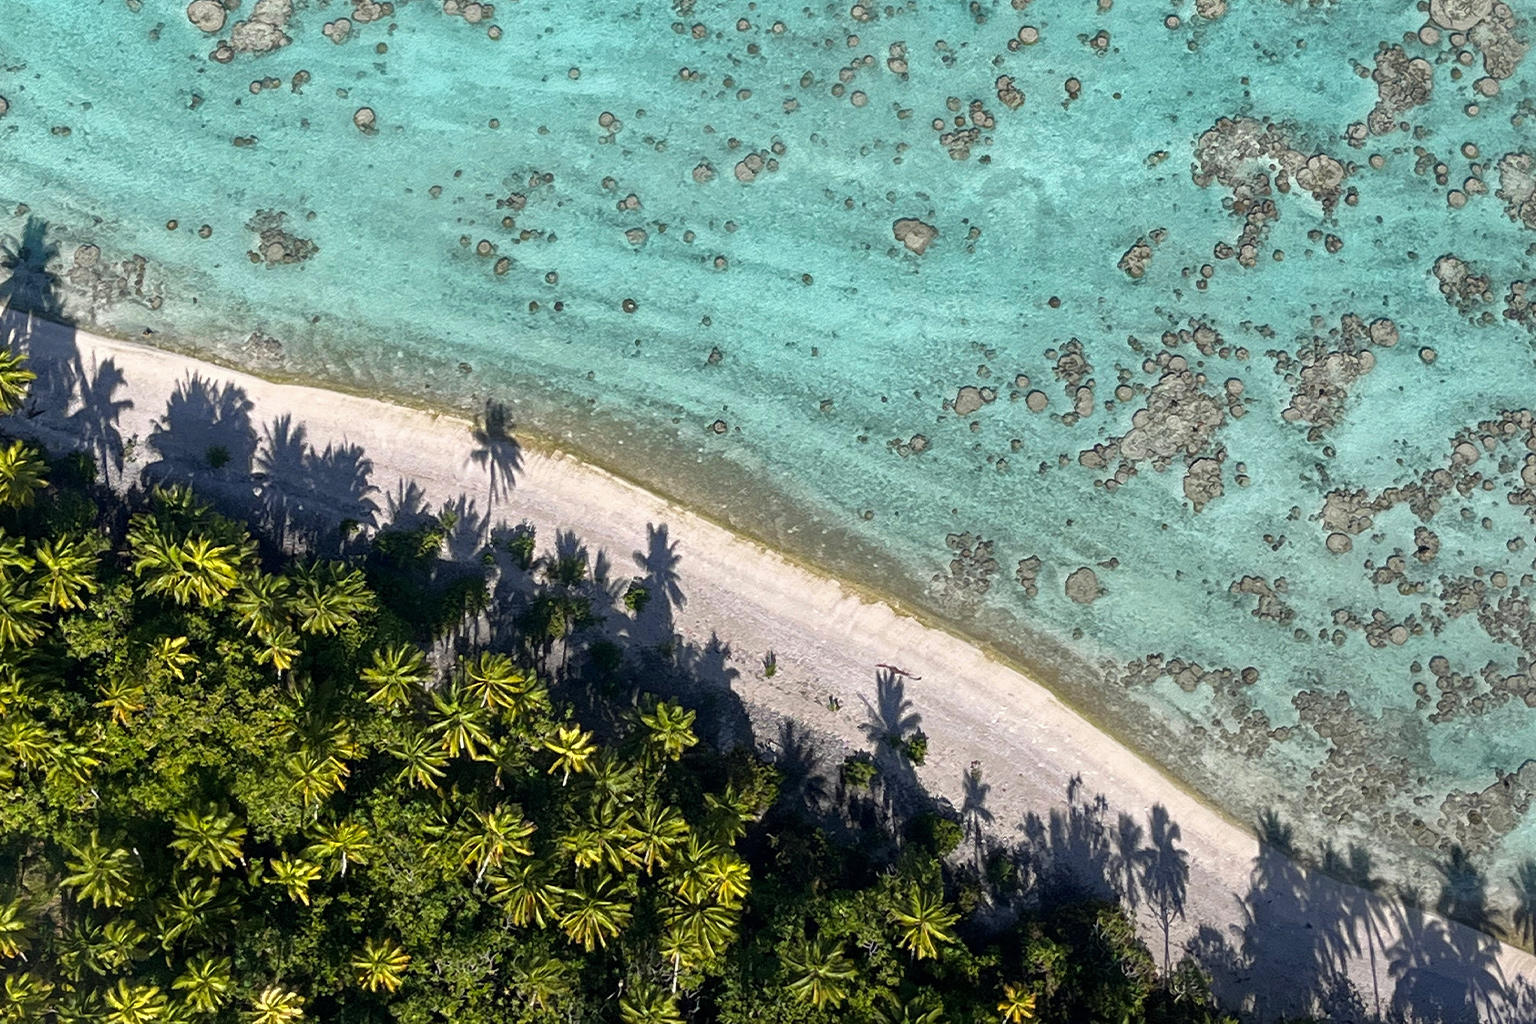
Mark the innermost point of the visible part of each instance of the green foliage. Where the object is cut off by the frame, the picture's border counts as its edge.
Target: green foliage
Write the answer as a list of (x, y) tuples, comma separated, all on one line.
[(245, 792), (218, 457), (637, 597), (937, 835), (915, 748), (859, 771)]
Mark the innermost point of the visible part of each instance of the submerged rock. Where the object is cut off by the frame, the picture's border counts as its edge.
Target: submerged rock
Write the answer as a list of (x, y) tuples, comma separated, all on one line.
[(1083, 586), (207, 15), (914, 234)]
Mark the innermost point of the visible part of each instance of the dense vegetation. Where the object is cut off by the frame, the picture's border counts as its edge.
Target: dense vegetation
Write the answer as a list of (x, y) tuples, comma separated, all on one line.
[(244, 785)]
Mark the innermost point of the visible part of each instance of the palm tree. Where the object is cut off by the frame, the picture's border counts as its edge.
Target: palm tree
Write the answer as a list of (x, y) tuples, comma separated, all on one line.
[(135, 1004), (280, 648), (206, 984), (669, 730), (315, 777), (275, 1005), (691, 876), (26, 998), (614, 781), (381, 964), (705, 929), (461, 723), (496, 833), (573, 748), (102, 874), (14, 380), (21, 474), (424, 760), (16, 929), (123, 698), (330, 600), (20, 606), (495, 681), (294, 875), (539, 981), (527, 893), (26, 739), (923, 922), (594, 913), (658, 829), (262, 604), (601, 837), (727, 815), (345, 842), (396, 672), (195, 571), (819, 972), (210, 838), (187, 911), (171, 656), (645, 1002), (1017, 1005), (122, 943), (69, 569), (71, 760), (729, 877)]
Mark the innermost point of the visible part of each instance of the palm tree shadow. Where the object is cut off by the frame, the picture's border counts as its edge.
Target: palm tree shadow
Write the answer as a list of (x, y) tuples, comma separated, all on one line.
[(309, 499), (30, 287), (1524, 915), (655, 622), (975, 817), (95, 422), (405, 508), (496, 450), (205, 439)]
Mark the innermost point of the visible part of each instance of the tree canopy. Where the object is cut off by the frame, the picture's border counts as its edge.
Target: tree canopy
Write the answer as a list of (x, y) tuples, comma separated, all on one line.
[(243, 785)]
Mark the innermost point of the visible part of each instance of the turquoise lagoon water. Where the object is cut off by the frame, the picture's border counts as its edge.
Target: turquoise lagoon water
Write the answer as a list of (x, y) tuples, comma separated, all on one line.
[(835, 340)]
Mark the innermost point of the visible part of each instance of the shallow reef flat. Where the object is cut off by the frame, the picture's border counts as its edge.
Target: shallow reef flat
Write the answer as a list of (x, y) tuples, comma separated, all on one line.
[(1182, 352)]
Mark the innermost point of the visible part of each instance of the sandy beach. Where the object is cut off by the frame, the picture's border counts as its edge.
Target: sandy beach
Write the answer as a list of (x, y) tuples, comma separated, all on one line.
[(1285, 936)]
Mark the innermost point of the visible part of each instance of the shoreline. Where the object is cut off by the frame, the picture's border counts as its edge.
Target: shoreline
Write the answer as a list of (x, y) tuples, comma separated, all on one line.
[(829, 635)]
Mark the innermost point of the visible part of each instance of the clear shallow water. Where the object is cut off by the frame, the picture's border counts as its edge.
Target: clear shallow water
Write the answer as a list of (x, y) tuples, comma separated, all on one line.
[(834, 339)]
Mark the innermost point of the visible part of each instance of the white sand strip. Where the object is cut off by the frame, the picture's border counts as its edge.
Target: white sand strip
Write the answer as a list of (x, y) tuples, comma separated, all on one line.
[(829, 641)]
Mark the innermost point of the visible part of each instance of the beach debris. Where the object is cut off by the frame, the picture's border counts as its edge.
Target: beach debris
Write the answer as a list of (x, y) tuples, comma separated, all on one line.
[(207, 15), (914, 234), (1083, 586), (893, 670), (275, 246)]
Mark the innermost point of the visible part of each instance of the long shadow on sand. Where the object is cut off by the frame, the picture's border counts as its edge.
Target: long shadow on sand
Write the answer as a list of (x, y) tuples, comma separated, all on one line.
[(601, 640)]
